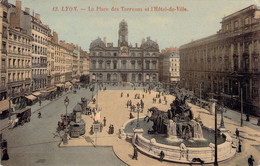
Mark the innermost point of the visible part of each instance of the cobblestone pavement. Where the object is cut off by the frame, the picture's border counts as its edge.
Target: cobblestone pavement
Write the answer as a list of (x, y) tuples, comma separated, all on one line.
[(115, 110), (40, 147), (35, 143)]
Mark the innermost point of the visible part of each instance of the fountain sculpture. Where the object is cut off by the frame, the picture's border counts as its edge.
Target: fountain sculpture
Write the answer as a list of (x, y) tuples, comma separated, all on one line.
[(177, 122)]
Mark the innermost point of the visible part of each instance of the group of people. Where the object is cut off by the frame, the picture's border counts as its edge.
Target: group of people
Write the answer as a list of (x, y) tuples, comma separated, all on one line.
[(111, 129), (250, 159), (135, 155)]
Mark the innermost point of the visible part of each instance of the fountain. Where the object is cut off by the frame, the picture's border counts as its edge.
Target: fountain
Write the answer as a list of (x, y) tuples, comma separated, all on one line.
[(182, 137), (177, 122)]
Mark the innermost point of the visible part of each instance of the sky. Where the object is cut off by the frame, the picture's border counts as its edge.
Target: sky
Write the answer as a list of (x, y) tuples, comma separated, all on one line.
[(169, 28)]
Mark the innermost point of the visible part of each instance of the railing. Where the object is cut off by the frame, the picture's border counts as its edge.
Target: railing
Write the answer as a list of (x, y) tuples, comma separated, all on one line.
[(4, 51), (3, 70), (5, 20)]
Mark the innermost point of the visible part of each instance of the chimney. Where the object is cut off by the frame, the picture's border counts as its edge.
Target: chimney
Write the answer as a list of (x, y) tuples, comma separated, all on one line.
[(18, 4), (156, 40), (143, 40), (27, 10), (136, 45), (37, 16), (148, 38), (105, 41), (55, 37)]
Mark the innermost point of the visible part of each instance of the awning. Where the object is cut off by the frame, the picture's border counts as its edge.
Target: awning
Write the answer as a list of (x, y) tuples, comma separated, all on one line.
[(31, 97), (21, 110), (4, 105), (74, 81), (36, 93), (50, 89), (68, 84), (59, 85)]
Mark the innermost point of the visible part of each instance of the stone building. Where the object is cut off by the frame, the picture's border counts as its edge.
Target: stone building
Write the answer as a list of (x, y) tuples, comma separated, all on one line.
[(4, 25), (227, 62), (124, 63), (19, 62), (170, 67), (39, 32)]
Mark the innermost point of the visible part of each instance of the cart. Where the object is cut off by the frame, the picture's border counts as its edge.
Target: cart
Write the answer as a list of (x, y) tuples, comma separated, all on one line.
[(23, 115)]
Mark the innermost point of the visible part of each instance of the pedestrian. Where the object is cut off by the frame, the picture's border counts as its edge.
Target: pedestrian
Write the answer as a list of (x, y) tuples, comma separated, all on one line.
[(40, 102), (101, 127), (160, 100), (112, 129), (143, 96), (127, 104), (250, 161), (161, 156), (39, 114), (127, 94), (91, 130), (247, 118), (135, 155), (4, 144), (122, 94), (164, 97), (5, 154), (165, 102), (104, 121), (131, 115), (237, 133), (133, 108), (239, 147)]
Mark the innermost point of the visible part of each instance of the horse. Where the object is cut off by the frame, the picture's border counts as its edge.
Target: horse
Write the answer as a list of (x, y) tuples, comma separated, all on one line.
[(13, 122)]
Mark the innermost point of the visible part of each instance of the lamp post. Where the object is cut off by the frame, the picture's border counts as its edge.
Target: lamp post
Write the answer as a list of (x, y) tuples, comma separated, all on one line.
[(216, 145), (241, 107), (10, 100), (66, 103), (138, 110)]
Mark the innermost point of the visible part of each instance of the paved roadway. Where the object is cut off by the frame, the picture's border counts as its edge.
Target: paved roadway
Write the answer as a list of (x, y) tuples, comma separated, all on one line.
[(35, 142)]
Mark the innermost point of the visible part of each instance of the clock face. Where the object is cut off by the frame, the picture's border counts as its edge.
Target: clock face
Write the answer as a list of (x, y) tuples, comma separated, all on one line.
[(124, 51)]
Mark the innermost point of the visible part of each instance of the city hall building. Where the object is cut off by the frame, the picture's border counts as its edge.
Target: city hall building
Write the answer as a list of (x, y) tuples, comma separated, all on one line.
[(124, 63), (226, 64)]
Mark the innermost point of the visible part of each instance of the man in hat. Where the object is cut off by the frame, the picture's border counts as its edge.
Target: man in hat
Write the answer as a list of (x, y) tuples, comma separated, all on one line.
[(135, 155)]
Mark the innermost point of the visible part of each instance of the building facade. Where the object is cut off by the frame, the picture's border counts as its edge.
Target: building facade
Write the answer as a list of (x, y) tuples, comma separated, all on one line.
[(4, 25), (226, 64), (170, 67), (124, 63)]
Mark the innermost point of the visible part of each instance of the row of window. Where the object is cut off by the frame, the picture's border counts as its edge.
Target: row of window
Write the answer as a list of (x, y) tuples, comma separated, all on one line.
[(39, 50), (36, 72), (40, 39), (39, 29), (19, 50), (115, 54), (19, 38), (19, 63), (18, 76)]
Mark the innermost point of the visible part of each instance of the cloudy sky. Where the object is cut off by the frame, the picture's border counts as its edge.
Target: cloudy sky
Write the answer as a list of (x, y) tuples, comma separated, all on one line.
[(201, 19)]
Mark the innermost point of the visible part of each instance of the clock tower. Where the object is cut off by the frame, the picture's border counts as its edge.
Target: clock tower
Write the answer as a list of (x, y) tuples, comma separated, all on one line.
[(123, 34)]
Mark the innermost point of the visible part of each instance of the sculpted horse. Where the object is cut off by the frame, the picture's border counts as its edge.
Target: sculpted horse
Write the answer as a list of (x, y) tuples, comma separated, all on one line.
[(160, 120)]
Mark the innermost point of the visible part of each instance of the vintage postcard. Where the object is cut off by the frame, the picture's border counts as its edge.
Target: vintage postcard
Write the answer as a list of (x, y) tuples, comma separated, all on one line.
[(130, 82)]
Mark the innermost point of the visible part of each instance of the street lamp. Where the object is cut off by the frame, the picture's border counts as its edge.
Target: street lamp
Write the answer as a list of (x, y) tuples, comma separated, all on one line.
[(66, 103), (138, 110)]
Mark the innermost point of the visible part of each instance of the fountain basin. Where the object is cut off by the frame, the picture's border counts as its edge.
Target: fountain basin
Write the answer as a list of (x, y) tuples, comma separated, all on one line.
[(179, 150)]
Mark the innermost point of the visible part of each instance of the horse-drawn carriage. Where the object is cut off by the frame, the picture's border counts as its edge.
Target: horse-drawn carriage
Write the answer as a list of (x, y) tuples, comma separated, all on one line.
[(22, 116)]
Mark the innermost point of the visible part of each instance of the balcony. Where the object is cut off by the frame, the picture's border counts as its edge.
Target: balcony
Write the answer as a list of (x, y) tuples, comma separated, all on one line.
[(3, 70), (34, 65), (2, 88), (27, 80), (4, 51), (5, 20), (39, 76)]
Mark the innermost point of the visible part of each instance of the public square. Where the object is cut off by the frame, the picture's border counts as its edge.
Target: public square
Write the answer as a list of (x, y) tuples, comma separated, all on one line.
[(44, 147)]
